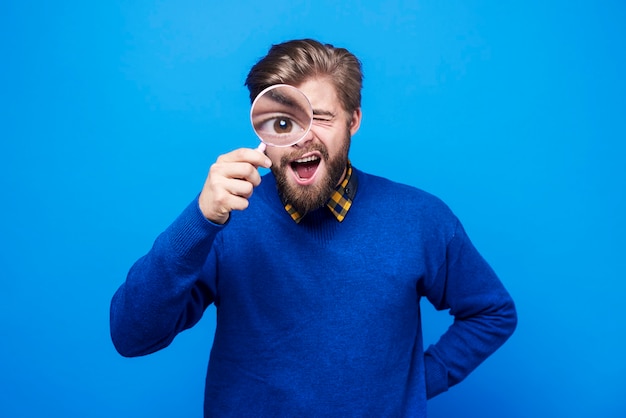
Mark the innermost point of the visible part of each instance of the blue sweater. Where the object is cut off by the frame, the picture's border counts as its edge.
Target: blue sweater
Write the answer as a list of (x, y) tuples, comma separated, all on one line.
[(319, 318)]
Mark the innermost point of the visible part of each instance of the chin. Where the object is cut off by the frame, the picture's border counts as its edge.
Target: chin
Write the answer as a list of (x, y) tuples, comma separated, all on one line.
[(307, 194)]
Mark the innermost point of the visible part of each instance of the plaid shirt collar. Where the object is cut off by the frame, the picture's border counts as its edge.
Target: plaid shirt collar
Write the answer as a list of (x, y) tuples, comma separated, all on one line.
[(340, 201)]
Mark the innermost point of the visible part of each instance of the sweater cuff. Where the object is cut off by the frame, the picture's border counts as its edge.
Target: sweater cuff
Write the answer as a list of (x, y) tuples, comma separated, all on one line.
[(436, 375), (191, 234)]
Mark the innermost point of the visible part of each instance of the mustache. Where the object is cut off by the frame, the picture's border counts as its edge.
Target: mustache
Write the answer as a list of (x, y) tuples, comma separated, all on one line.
[(298, 153)]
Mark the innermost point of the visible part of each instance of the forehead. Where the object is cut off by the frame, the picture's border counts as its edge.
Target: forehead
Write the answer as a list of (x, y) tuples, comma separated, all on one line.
[(321, 93)]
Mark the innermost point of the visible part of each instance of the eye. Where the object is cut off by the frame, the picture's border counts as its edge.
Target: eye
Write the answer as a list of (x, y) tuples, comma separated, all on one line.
[(279, 125), (323, 118)]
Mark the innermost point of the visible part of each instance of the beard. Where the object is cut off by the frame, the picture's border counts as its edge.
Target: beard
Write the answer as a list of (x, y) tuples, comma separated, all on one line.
[(307, 198)]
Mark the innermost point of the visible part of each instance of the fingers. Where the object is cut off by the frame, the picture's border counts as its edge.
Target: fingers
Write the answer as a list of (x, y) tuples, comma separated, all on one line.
[(218, 199), (251, 156), (230, 183), (235, 170)]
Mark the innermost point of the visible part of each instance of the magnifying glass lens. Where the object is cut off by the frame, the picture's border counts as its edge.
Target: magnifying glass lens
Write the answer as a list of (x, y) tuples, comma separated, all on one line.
[(281, 115)]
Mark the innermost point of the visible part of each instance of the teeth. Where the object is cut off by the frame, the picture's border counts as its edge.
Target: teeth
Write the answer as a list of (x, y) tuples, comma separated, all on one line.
[(307, 159)]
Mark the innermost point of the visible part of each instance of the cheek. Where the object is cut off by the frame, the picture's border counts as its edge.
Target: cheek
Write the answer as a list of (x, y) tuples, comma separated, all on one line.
[(338, 143), (270, 150), (274, 154)]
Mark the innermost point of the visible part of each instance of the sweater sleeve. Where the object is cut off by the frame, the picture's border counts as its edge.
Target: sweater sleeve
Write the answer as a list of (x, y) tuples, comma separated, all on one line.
[(165, 292), (484, 314)]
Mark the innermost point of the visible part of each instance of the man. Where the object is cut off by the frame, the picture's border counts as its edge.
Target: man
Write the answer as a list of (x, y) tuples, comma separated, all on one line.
[(316, 271)]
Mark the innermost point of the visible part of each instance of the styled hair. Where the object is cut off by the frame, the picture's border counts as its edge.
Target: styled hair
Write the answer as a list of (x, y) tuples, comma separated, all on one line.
[(293, 62)]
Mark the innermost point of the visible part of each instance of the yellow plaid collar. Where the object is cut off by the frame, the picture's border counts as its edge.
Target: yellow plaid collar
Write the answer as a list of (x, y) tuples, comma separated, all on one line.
[(340, 201)]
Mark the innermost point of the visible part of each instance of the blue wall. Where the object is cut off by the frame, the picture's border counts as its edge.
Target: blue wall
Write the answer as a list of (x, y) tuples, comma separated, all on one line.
[(111, 113)]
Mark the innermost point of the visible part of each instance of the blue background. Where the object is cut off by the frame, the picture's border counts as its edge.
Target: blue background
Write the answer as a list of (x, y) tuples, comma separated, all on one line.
[(112, 112)]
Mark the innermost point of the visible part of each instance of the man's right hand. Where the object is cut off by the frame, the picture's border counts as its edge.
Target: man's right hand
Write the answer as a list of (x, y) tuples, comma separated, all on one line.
[(230, 183)]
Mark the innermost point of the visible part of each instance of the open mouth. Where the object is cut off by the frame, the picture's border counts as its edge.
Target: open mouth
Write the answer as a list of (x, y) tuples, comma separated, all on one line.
[(306, 167)]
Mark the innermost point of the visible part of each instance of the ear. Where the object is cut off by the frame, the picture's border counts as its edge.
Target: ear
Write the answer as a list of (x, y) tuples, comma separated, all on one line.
[(355, 122)]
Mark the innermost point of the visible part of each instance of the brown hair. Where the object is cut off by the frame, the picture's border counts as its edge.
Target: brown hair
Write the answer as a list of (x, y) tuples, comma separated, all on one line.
[(293, 62)]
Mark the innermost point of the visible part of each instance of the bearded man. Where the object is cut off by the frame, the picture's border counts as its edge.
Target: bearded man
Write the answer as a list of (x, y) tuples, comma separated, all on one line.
[(316, 271)]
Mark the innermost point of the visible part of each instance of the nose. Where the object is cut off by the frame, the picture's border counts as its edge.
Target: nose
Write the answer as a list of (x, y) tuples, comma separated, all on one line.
[(308, 137)]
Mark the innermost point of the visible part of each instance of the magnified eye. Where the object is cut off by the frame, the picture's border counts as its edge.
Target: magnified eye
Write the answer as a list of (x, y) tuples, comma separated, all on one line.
[(283, 125), (281, 115), (279, 125)]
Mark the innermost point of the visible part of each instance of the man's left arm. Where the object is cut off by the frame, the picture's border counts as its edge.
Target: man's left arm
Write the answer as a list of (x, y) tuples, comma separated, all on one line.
[(484, 314)]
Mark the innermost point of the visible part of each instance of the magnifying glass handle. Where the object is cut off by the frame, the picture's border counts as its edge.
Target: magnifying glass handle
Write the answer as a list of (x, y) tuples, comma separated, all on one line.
[(261, 147)]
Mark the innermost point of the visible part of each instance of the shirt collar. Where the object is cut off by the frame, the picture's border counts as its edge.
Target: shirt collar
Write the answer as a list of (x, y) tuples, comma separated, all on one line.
[(340, 201)]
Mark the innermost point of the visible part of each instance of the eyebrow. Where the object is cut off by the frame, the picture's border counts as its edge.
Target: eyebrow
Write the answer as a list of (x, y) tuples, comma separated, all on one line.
[(279, 98)]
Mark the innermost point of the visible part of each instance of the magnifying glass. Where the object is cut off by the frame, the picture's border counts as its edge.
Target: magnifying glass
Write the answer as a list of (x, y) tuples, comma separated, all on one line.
[(281, 116)]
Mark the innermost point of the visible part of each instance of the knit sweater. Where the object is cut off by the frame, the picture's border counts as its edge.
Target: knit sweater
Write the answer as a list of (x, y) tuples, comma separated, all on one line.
[(319, 318)]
